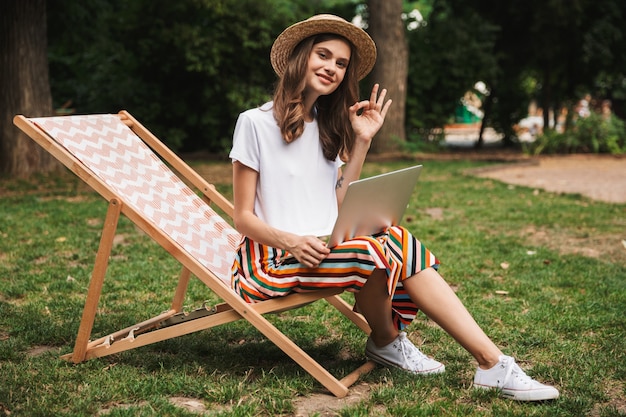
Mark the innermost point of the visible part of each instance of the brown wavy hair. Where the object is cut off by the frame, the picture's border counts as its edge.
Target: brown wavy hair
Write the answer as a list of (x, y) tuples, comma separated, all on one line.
[(336, 132)]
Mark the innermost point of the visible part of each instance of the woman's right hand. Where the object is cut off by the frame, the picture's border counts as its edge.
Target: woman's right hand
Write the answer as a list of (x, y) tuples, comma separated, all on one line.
[(310, 251)]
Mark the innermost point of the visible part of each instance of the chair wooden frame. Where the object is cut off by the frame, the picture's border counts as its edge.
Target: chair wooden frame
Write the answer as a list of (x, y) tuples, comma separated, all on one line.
[(233, 307)]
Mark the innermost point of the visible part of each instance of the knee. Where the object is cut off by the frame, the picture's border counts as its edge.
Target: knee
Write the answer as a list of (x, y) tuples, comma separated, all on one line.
[(401, 232)]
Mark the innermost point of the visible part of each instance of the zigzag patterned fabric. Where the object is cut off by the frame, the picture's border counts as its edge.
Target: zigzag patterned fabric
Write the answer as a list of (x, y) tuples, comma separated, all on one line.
[(122, 160)]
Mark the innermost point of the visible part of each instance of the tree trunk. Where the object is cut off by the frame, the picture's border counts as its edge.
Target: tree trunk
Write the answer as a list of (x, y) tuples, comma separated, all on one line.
[(24, 84), (546, 98), (487, 103), (391, 69)]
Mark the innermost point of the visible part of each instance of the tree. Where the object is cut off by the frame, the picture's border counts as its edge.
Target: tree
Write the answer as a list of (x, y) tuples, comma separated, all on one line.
[(25, 85), (185, 68), (450, 51), (391, 69), (188, 68), (553, 52)]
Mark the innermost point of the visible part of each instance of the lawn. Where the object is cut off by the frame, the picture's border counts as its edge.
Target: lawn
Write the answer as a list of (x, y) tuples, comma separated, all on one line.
[(513, 254)]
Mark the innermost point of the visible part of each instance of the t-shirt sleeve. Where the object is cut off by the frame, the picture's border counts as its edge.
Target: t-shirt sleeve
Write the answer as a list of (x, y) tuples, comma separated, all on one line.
[(338, 162), (245, 143)]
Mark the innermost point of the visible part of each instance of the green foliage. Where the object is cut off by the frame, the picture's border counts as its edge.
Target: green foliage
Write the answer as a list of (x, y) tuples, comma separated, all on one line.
[(593, 134), (568, 47), (187, 68), (447, 56), (564, 48)]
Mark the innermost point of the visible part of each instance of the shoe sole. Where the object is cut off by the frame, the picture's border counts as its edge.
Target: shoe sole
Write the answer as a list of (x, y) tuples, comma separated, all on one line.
[(531, 395), (385, 362)]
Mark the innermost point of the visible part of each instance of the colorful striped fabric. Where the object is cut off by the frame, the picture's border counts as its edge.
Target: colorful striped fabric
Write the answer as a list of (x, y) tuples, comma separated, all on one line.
[(261, 272)]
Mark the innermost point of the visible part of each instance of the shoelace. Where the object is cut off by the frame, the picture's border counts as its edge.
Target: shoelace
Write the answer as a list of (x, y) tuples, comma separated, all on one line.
[(514, 371), (410, 353)]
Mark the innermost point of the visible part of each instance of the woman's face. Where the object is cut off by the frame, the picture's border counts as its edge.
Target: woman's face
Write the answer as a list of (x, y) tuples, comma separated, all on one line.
[(327, 66)]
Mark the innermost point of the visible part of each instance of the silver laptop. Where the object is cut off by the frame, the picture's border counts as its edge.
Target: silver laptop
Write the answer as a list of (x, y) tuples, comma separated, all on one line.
[(373, 204)]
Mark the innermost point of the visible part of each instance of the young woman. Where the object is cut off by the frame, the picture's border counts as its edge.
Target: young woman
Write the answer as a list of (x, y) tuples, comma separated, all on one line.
[(292, 160)]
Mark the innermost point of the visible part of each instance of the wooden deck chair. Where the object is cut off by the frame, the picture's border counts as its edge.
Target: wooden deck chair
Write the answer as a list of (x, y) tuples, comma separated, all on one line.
[(117, 157)]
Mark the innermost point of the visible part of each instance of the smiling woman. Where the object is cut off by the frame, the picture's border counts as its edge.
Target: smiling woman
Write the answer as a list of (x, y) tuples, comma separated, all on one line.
[(292, 160), (326, 69)]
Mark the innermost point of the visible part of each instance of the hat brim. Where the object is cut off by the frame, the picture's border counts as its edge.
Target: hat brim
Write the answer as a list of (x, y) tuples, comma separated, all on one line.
[(285, 43)]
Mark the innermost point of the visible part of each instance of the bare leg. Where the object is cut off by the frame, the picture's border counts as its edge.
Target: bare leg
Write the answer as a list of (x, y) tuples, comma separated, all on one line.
[(374, 302), (435, 298)]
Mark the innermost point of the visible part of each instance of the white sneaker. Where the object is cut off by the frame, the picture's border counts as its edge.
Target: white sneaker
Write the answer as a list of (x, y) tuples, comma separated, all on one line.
[(513, 382), (403, 354)]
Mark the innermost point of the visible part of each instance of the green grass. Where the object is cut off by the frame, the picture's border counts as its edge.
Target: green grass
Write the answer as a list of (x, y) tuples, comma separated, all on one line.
[(560, 313)]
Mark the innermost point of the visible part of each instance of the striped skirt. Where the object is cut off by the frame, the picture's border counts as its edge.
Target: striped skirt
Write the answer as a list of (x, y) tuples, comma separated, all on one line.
[(261, 272)]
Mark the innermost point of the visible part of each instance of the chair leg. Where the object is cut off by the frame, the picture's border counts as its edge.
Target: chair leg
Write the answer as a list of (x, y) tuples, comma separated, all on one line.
[(97, 279), (181, 290)]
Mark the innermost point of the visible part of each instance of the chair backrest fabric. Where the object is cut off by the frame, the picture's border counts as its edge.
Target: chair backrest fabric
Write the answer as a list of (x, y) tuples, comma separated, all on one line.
[(115, 154)]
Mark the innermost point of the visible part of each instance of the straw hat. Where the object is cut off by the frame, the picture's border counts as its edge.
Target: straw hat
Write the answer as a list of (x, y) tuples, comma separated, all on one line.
[(285, 43)]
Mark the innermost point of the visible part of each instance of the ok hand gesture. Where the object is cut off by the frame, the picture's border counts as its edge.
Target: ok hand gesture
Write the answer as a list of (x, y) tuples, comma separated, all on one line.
[(367, 116)]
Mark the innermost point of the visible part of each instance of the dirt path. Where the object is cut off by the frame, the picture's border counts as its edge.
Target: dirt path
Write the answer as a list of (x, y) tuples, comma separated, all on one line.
[(601, 178)]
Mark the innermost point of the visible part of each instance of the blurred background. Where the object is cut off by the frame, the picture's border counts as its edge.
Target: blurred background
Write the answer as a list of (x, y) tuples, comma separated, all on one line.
[(540, 76)]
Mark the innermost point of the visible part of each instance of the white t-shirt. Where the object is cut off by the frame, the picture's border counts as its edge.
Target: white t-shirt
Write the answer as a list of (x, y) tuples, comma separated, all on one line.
[(296, 186)]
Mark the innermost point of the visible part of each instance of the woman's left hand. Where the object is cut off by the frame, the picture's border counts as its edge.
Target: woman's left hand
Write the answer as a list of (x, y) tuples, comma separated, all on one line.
[(367, 116)]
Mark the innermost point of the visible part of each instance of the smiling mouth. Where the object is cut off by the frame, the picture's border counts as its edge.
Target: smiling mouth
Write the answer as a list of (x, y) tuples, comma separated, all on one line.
[(325, 78)]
